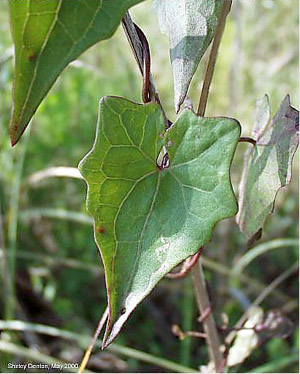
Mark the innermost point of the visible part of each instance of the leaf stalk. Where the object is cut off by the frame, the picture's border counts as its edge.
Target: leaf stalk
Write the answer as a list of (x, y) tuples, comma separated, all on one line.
[(209, 325), (213, 57)]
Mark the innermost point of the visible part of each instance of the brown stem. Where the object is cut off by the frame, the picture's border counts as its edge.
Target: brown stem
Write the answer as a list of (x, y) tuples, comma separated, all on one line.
[(205, 313), (93, 342), (186, 267), (209, 325), (176, 330), (213, 57), (246, 139)]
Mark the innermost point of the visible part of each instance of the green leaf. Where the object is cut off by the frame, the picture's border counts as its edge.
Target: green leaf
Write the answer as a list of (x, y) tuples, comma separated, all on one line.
[(268, 166), (147, 219), (48, 35), (190, 25)]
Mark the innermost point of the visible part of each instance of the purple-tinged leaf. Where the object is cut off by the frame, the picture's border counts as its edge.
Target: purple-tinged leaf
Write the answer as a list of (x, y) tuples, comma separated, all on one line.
[(268, 166)]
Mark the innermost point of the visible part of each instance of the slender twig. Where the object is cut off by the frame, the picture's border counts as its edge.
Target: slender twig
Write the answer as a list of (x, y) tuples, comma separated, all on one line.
[(246, 139), (275, 283), (186, 267), (195, 334), (262, 296), (209, 324), (213, 57), (88, 352), (176, 330)]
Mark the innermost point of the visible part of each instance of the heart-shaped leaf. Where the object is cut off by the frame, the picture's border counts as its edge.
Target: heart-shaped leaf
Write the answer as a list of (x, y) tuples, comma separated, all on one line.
[(48, 35), (148, 219), (190, 25), (268, 166)]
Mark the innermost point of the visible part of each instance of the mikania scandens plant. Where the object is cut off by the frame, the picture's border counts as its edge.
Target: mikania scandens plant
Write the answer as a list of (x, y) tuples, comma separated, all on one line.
[(172, 210), (156, 189)]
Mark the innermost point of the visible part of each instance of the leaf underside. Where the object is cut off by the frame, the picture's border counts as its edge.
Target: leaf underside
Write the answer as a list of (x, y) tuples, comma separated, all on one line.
[(48, 35), (190, 26), (268, 166), (146, 219)]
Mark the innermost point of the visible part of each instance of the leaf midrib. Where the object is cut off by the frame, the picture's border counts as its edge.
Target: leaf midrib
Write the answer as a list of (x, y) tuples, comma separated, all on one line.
[(75, 42), (56, 13), (143, 230), (129, 137)]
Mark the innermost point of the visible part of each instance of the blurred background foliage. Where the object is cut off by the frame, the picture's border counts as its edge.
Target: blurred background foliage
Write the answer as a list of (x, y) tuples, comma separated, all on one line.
[(59, 275)]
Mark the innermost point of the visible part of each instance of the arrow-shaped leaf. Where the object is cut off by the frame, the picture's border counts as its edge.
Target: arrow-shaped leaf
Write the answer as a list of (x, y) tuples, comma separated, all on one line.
[(268, 166), (190, 25), (148, 219), (48, 35)]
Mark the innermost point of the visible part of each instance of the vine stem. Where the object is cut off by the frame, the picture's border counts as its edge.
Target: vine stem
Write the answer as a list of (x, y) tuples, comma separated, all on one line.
[(209, 324), (213, 57), (88, 352)]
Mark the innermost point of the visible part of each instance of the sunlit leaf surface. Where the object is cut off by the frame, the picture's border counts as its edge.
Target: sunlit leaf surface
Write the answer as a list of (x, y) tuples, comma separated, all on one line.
[(148, 219), (48, 35), (190, 25)]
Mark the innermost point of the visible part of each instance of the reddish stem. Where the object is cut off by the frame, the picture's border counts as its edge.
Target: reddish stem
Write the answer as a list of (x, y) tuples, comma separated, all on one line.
[(247, 140), (186, 267)]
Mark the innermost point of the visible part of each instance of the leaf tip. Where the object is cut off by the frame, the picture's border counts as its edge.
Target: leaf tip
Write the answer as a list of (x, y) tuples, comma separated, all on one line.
[(180, 91), (178, 100), (17, 127), (253, 238), (104, 345), (287, 99), (114, 325), (14, 133), (13, 142), (109, 336)]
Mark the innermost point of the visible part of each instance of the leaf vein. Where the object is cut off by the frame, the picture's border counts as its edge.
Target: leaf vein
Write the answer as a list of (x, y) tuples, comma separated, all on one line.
[(142, 233), (40, 54)]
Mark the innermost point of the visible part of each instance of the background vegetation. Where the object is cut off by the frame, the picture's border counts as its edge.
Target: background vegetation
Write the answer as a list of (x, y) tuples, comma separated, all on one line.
[(44, 229)]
